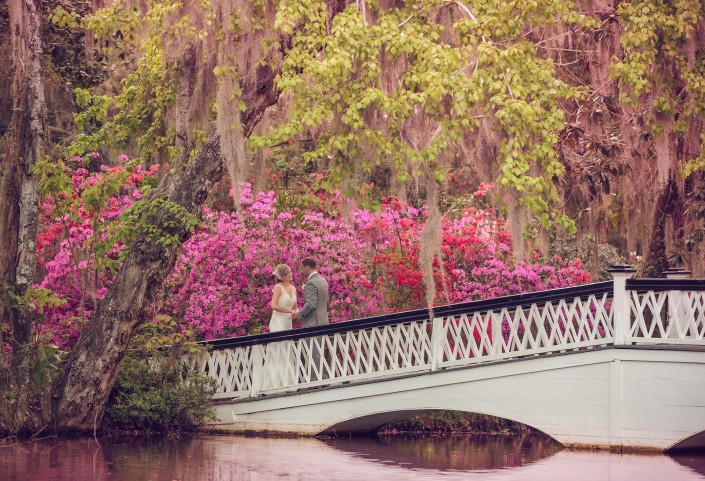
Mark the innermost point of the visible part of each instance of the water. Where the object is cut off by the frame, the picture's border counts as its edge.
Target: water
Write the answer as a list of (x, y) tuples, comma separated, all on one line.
[(236, 458)]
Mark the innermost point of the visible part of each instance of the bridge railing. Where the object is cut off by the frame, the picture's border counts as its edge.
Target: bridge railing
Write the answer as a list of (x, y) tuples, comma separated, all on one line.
[(622, 311), (402, 343), (549, 321), (666, 311)]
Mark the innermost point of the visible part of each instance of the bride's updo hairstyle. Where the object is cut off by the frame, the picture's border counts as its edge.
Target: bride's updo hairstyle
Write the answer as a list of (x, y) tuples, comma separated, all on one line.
[(281, 271)]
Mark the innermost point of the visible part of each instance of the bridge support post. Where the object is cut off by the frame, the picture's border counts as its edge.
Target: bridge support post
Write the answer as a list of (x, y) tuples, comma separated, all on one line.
[(436, 343), (616, 400), (620, 302), (257, 370)]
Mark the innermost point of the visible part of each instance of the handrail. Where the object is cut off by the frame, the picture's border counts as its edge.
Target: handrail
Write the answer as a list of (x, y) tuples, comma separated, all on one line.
[(658, 285), (498, 303)]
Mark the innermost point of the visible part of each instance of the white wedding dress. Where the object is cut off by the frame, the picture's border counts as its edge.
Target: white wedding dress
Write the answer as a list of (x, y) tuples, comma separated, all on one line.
[(280, 362), (281, 321)]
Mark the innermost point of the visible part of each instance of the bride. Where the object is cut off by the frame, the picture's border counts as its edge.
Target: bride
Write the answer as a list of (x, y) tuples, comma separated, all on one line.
[(283, 300), (279, 359)]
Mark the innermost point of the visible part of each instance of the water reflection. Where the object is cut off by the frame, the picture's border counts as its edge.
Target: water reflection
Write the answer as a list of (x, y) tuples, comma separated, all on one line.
[(469, 454), (254, 459)]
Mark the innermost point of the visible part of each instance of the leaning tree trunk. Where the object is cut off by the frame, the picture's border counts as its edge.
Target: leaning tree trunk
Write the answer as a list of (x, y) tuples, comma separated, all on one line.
[(19, 197), (81, 392)]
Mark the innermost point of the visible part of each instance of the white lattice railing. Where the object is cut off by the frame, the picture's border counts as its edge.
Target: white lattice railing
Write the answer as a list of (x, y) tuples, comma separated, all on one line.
[(666, 312), (394, 345), (527, 329), (623, 311)]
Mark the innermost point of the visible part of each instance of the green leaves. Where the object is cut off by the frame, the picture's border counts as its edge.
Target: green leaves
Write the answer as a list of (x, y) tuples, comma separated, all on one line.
[(657, 63), (400, 86), (40, 298), (63, 18), (138, 110), (654, 30), (163, 222)]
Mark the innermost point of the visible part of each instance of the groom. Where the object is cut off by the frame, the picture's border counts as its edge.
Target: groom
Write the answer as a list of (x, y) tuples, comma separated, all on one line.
[(315, 310), (314, 313)]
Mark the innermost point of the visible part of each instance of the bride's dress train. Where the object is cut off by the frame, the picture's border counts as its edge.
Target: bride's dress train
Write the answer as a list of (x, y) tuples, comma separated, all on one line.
[(280, 362)]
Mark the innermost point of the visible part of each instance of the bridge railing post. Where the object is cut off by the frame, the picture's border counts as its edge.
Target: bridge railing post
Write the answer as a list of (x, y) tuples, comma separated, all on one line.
[(621, 305), (436, 343), (497, 336), (257, 373)]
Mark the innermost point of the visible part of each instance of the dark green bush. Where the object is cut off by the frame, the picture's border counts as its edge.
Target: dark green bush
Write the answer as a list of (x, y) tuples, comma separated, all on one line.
[(166, 398)]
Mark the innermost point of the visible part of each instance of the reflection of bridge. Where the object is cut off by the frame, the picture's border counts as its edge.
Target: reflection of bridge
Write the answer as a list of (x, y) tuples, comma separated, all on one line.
[(619, 363)]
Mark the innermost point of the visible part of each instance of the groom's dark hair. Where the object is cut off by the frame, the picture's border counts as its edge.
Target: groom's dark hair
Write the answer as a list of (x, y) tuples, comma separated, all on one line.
[(308, 262)]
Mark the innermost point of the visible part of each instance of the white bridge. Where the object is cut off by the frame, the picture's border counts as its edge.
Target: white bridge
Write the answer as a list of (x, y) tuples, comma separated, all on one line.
[(617, 364)]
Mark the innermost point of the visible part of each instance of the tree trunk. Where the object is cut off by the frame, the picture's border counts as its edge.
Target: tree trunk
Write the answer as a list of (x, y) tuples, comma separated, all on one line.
[(19, 194), (657, 258), (81, 392)]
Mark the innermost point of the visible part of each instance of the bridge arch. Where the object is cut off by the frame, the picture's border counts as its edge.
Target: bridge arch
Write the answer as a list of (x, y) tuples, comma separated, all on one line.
[(696, 441), (367, 424), (636, 398)]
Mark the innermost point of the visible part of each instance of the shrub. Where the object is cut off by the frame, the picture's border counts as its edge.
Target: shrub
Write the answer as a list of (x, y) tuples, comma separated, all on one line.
[(222, 282), (169, 398)]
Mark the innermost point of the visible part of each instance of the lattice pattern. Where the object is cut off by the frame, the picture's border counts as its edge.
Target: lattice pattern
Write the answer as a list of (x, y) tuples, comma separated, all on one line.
[(673, 317), (525, 330), (325, 359), (232, 370), (480, 335)]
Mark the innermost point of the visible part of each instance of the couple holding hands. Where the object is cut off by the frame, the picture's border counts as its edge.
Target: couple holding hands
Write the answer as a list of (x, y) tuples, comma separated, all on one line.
[(284, 300)]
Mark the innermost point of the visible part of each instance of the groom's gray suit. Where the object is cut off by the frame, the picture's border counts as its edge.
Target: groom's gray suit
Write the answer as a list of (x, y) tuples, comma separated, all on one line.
[(315, 310), (315, 313)]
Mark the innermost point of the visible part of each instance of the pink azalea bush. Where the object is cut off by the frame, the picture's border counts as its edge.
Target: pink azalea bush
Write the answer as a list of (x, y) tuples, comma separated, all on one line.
[(73, 230), (477, 259), (222, 283)]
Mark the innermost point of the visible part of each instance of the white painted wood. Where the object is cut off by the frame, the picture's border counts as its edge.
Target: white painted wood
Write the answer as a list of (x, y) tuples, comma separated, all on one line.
[(616, 395), (531, 333), (621, 307), (667, 317), (395, 349), (572, 397), (670, 317)]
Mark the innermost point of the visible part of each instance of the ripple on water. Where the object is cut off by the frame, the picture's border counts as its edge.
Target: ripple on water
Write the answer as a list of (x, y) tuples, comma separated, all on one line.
[(228, 458)]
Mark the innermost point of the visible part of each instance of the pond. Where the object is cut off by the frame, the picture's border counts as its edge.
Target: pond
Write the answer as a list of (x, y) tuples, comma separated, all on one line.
[(226, 458)]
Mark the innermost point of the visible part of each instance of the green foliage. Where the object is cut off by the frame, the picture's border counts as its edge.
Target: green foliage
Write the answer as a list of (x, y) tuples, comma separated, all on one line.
[(153, 390), (45, 362), (39, 298), (154, 394), (63, 18), (654, 31), (164, 331), (366, 80), (140, 109), (656, 63), (161, 220), (138, 112)]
